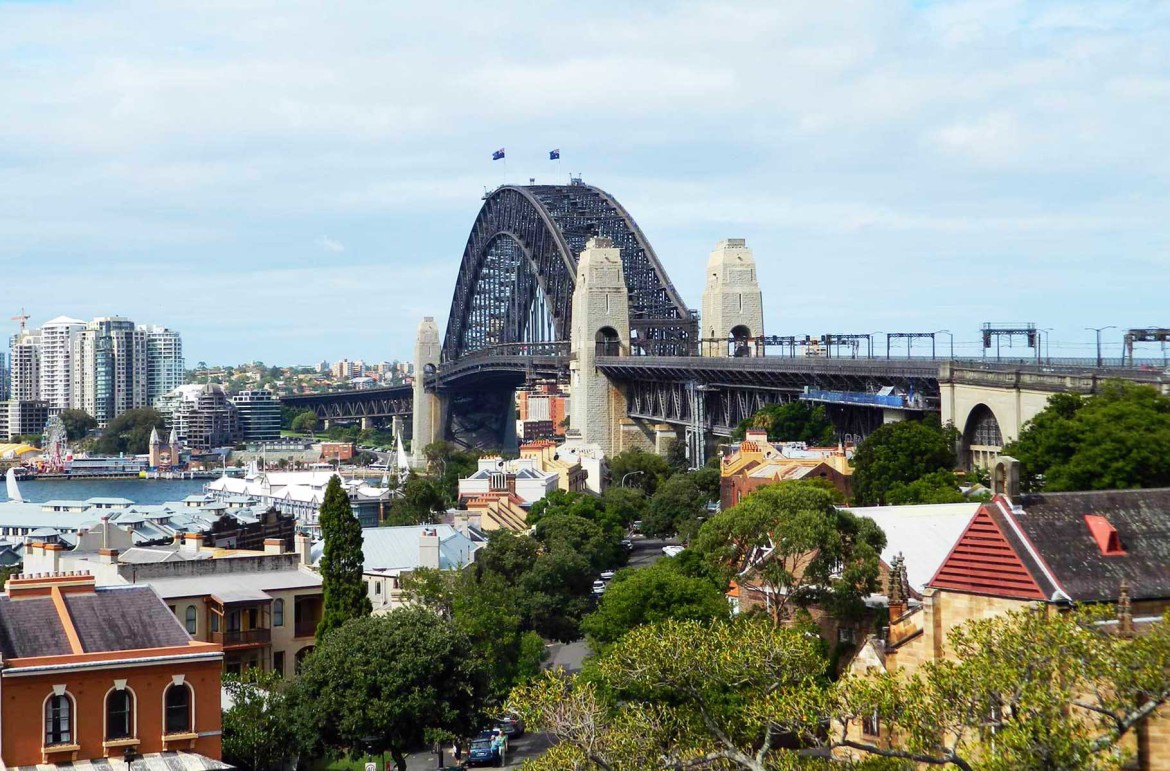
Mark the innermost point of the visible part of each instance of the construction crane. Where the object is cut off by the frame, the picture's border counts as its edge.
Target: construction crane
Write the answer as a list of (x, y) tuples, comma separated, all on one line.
[(22, 318)]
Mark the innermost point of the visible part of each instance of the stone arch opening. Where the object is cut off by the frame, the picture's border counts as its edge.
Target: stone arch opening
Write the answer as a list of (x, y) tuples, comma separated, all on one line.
[(609, 342), (740, 340), (982, 438)]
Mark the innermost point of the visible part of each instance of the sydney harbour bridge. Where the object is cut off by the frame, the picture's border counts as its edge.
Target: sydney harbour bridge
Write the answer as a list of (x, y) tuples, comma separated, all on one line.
[(667, 370)]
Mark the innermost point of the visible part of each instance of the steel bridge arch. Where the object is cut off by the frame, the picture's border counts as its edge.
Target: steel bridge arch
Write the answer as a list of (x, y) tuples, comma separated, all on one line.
[(546, 227)]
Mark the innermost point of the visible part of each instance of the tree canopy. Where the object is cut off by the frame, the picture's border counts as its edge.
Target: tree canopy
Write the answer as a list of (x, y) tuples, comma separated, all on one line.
[(341, 562), (900, 453), (378, 683), (421, 503), (304, 422), (1118, 439), (806, 551), (649, 595), (795, 421), (78, 423), (447, 464), (676, 506), (256, 730), (641, 469), (130, 432)]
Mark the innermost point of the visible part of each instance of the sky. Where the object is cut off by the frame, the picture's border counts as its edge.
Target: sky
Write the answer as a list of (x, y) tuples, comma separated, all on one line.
[(291, 182)]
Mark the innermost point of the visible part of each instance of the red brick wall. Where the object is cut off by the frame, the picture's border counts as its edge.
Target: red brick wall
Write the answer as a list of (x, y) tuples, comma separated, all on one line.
[(22, 710)]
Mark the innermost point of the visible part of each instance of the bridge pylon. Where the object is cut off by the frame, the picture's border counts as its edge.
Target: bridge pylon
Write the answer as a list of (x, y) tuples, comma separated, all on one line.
[(733, 306), (600, 327), (427, 410)]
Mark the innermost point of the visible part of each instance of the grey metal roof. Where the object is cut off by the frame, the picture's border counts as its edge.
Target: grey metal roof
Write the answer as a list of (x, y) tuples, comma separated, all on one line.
[(396, 548), (121, 618), (219, 585)]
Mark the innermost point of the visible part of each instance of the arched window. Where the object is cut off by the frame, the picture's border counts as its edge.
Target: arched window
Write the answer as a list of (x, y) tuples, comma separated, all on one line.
[(192, 624), (608, 342), (740, 340), (177, 702), (278, 612), (119, 714), (58, 719)]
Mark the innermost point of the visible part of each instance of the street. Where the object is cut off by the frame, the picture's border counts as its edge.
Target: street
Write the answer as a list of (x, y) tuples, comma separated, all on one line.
[(519, 750)]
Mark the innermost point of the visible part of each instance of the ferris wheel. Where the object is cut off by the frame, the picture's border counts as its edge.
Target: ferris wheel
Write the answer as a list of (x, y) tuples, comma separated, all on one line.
[(55, 444)]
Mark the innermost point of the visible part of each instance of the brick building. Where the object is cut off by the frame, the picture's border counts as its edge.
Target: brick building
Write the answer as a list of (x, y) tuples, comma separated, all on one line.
[(756, 462), (109, 672)]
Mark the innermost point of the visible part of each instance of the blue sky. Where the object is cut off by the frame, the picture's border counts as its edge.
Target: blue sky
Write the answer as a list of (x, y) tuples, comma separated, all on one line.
[(292, 181)]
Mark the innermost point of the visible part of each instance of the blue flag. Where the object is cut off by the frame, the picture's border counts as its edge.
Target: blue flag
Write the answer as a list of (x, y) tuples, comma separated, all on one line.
[(554, 155), (498, 154)]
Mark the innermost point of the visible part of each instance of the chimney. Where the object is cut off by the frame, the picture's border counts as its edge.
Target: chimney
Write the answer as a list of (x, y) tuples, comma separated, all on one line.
[(108, 556), (897, 589), (1005, 477), (428, 548), (1124, 610), (273, 546), (192, 543), (303, 546)]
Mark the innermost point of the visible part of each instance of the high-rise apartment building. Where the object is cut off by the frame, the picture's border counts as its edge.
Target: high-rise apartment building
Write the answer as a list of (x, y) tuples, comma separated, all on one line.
[(259, 415), (164, 362), (56, 356), (24, 385), (109, 368), (4, 382)]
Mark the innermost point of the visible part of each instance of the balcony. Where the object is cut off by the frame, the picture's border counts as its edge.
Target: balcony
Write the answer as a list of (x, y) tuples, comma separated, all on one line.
[(234, 638)]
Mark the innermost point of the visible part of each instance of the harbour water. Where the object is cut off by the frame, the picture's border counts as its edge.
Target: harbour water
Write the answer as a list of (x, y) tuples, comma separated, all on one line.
[(137, 490)]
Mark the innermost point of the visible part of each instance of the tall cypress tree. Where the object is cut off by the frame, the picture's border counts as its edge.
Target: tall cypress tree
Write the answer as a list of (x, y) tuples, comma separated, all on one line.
[(341, 562)]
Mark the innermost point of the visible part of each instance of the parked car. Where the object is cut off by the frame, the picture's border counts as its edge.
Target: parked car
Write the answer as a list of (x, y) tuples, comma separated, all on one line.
[(606, 575), (637, 526), (512, 726), (599, 587), (672, 551), (484, 751), (627, 544)]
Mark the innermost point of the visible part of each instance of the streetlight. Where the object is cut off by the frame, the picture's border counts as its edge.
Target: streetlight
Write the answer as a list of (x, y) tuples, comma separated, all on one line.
[(1099, 330), (1044, 340), (950, 337), (627, 476)]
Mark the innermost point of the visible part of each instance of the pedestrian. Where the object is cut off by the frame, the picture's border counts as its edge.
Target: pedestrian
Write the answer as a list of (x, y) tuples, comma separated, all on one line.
[(438, 750), (457, 749)]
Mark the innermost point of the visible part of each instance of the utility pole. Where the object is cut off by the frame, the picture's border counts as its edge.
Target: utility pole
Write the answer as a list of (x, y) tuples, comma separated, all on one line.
[(1099, 330)]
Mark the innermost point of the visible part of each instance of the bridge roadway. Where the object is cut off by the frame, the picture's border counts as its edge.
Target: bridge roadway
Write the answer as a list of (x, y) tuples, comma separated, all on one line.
[(669, 388)]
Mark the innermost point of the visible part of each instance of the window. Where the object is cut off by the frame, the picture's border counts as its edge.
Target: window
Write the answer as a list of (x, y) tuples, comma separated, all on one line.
[(58, 719), (278, 663), (845, 635), (214, 621), (177, 701), (119, 714), (870, 725), (278, 613), (377, 587), (192, 624)]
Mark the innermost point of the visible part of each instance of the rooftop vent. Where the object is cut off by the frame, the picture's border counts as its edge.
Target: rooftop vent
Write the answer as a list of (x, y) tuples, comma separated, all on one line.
[(1105, 534)]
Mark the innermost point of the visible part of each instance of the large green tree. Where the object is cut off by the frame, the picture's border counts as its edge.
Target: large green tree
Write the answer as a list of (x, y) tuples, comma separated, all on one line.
[(421, 503), (78, 423), (130, 432), (556, 594), (447, 464), (379, 683), (576, 535), (341, 563), (570, 503), (799, 546), (676, 506), (304, 422), (256, 731), (795, 421), (900, 453), (649, 595), (640, 469), (1118, 439)]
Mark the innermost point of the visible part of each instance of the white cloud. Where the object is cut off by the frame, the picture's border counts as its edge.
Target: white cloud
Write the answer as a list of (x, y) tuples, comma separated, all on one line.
[(330, 245)]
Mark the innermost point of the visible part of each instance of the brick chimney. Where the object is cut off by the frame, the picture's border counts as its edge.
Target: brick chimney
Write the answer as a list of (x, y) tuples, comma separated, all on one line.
[(303, 545), (273, 546), (192, 543), (898, 588), (108, 556)]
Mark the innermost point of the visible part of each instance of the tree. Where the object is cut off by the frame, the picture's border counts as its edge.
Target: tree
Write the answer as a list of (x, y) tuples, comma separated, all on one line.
[(650, 595), (447, 464), (638, 468), (1030, 689), (624, 505), (576, 535), (676, 506), (684, 694), (341, 562), (379, 683), (129, 433), (421, 502), (937, 487), (78, 423), (564, 502), (676, 456), (256, 733), (805, 551), (795, 421), (900, 452), (509, 555), (556, 594), (304, 422), (1118, 439)]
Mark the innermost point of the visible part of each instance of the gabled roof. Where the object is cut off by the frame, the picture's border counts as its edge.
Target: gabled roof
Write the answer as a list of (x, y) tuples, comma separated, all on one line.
[(987, 560)]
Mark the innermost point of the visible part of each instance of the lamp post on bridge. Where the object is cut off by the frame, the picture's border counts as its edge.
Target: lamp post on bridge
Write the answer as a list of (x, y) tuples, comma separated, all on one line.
[(1044, 341), (950, 338), (1099, 330)]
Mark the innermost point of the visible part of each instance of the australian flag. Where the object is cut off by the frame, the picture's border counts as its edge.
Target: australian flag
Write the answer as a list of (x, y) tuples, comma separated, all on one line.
[(554, 155), (498, 154)]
